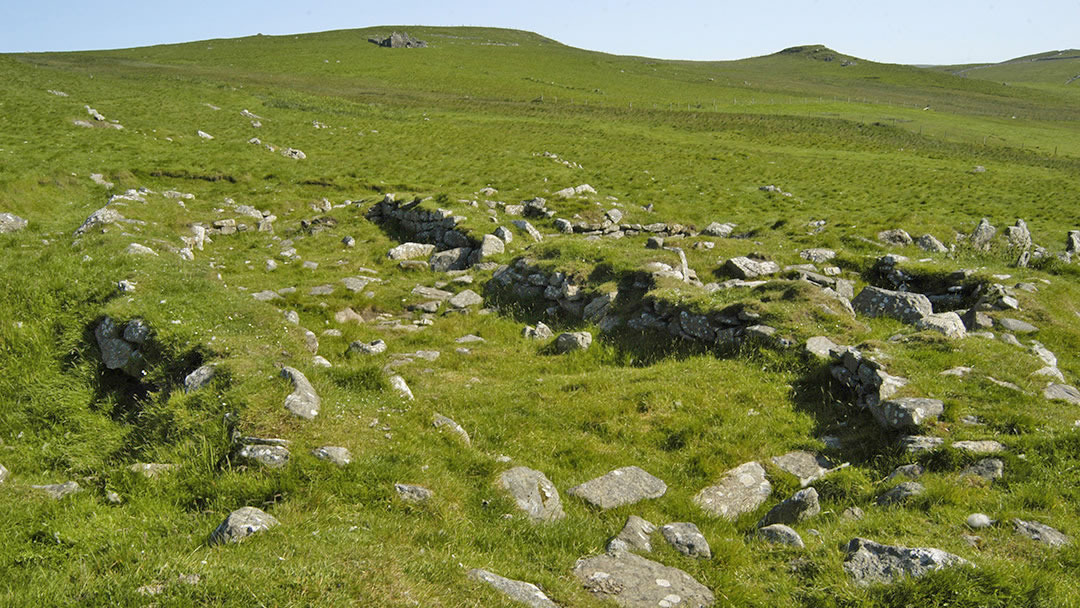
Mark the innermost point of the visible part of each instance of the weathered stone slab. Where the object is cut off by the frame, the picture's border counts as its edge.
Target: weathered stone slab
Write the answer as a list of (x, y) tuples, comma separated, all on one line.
[(878, 302), (1040, 532), (534, 493), (620, 487), (519, 591), (633, 537), (635, 582), (906, 412), (779, 534), (572, 341), (241, 524), (746, 268), (806, 466), (740, 490), (303, 401), (868, 562), (687, 539), (801, 506)]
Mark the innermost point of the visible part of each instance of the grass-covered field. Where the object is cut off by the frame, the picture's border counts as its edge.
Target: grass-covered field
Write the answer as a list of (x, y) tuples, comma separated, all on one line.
[(863, 146)]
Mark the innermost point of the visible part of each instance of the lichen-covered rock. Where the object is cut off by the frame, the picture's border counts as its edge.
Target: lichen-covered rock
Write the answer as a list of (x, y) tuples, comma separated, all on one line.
[(303, 401), (878, 302), (929, 242), (1040, 532), (906, 412), (869, 562), (740, 490), (413, 493), (633, 537), (519, 591), (801, 506), (687, 539), (900, 493), (746, 268), (980, 237), (56, 491), (806, 466), (779, 534), (241, 524), (896, 236), (533, 493), (572, 341), (620, 487), (948, 324), (635, 582), (411, 251), (270, 456), (101, 217), (332, 453), (10, 222), (442, 422)]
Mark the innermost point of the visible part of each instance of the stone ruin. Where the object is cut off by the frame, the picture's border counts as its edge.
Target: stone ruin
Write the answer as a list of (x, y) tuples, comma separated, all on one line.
[(399, 40)]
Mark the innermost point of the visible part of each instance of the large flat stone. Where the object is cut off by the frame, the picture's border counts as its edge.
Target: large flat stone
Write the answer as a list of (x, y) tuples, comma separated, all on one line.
[(740, 490), (878, 302), (519, 591), (533, 493), (868, 562), (635, 582), (620, 487)]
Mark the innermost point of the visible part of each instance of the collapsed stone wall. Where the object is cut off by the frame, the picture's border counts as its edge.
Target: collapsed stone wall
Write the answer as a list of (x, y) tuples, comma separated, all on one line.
[(557, 292), (437, 227)]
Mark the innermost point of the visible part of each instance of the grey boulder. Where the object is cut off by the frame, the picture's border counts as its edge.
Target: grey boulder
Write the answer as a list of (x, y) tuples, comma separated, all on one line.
[(533, 493), (332, 453), (633, 537), (199, 378), (687, 539), (10, 222), (869, 562), (241, 524), (56, 491), (878, 302), (635, 582), (746, 268), (801, 506), (900, 493), (571, 341), (906, 412), (303, 401), (779, 534), (1040, 532), (740, 490), (519, 591), (620, 487)]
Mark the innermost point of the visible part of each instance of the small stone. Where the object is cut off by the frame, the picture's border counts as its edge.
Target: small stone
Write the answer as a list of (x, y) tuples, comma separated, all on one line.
[(906, 412), (270, 456), (540, 332), (978, 520), (633, 537), (779, 534), (746, 268), (466, 299), (303, 401), (740, 490), (572, 341), (335, 454), (242, 523), (10, 222), (364, 348), (687, 539), (900, 493), (533, 493), (1040, 532), (440, 422), (1062, 392), (987, 446), (910, 471), (1017, 326), (56, 491), (412, 493), (398, 384), (519, 591), (852, 513), (801, 506), (896, 236), (199, 378)]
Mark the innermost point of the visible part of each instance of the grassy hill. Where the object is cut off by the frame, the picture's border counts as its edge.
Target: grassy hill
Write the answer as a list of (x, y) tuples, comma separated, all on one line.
[(857, 146)]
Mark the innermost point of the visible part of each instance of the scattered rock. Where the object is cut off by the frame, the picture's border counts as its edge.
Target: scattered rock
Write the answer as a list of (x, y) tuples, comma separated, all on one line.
[(906, 412), (806, 466), (1062, 392), (241, 524), (978, 520), (746, 268), (99, 218), (718, 229), (1017, 326), (801, 506), (817, 255), (410, 251), (303, 401), (56, 491), (412, 493), (948, 324), (528, 228), (897, 236), (635, 582), (929, 242), (980, 237), (900, 493), (199, 378), (293, 153), (3, 474), (821, 347), (571, 341), (687, 539), (373, 348), (986, 446), (779, 534), (440, 422), (987, 468), (270, 456), (633, 537), (398, 384), (399, 40), (739, 491), (920, 443), (11, 223), (451, 259), (868, 562), (1040, 532), (205, 135), (620, 487), (466, 299), (910, 471), (534, 494), (878, 302), (519, 591), (335, 454)]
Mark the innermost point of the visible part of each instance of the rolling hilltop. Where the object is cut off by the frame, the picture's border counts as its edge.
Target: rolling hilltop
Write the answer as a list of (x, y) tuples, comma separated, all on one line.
[(406, 321)]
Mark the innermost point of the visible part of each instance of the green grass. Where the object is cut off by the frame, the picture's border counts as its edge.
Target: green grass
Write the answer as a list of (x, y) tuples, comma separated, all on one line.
[(695, 140)]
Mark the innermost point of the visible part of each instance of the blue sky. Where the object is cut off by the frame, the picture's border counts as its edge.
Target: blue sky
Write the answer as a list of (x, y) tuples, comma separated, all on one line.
[(899, 31)]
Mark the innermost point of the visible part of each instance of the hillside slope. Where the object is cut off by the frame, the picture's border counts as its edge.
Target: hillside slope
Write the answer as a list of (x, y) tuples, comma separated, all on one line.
[(218, 232)]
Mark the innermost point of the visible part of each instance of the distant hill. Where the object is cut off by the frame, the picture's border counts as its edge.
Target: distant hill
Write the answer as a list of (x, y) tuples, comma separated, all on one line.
[(1050, 68)]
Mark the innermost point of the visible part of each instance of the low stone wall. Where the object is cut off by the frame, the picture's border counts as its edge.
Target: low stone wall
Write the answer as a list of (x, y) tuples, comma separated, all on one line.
[(437, 227), (864, 377)]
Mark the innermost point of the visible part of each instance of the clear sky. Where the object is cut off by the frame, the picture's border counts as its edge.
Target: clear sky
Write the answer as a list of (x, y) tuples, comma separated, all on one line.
[(897, 31)]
